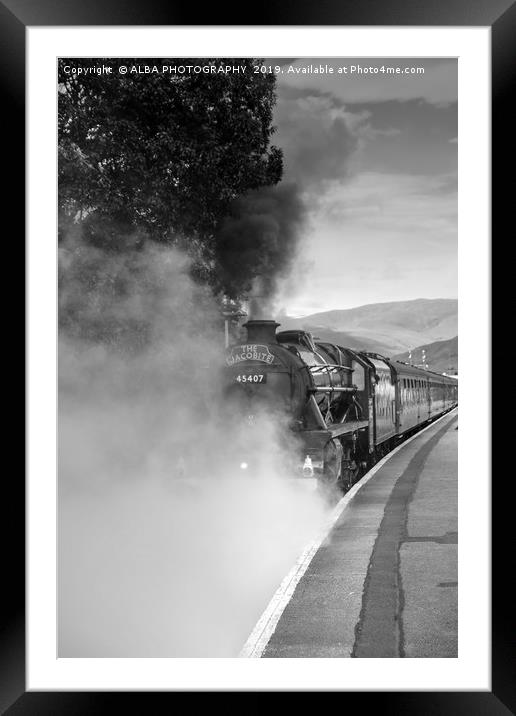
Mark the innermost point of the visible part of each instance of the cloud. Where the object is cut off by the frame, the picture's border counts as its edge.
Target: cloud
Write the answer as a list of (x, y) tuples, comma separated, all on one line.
[(380, 237), (380, 228), (392, 201), (437, 85)]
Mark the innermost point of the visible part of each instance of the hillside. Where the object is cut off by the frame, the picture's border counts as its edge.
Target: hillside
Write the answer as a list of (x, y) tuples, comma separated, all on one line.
[(388, 328), (441, 356)]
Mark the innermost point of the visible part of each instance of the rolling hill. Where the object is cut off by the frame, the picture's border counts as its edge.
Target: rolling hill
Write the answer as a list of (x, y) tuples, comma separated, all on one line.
[(388, 328), (441, 356)]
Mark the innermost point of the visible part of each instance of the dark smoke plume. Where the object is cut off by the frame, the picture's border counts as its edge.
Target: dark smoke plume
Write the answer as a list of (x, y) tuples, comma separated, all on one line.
[(258, 242), (260, 239)]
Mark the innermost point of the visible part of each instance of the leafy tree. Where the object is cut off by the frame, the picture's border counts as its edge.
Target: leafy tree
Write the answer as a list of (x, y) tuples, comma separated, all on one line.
[(162, 156)]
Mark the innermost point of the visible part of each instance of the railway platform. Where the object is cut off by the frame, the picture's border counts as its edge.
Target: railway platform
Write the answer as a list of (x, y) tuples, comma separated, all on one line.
[(384, 581)]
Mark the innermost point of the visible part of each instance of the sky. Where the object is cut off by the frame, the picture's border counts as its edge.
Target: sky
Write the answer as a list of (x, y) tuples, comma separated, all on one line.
[(375, 156)]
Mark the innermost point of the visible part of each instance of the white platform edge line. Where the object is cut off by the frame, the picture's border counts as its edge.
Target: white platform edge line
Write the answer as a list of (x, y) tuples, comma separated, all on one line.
[(266, 625)]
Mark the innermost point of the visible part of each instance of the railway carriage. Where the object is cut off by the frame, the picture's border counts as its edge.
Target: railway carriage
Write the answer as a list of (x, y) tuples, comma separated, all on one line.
[(347, 407)]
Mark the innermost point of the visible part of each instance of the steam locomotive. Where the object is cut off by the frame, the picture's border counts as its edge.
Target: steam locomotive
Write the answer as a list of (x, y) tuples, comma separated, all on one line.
[(347, 408)]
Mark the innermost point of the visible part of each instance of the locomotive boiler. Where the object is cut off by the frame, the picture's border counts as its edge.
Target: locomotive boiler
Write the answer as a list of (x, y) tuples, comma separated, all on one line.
[(346, 407)]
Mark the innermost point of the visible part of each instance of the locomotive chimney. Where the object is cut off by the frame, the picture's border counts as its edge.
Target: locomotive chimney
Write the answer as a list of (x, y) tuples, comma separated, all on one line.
[(261, 331)]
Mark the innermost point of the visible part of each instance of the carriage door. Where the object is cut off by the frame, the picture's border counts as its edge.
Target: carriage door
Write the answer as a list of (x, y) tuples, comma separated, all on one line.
[(385, 401)]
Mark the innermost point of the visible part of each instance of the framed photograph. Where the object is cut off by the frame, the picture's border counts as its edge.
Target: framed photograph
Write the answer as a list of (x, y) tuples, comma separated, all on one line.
[(258, 267)]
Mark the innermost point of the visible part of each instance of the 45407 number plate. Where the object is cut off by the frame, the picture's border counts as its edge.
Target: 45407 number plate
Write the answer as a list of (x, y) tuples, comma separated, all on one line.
[(251, 378)]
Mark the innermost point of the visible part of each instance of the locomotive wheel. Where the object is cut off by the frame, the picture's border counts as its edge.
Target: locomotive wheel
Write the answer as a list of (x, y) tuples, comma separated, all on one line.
[(333, 463), (349, 477), (332, 474)]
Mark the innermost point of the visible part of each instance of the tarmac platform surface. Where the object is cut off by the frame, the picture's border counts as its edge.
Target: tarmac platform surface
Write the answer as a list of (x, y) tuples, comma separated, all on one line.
[(384, 582)]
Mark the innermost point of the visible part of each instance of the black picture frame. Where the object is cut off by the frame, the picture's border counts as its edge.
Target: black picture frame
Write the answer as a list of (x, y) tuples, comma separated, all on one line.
[(15, 17)]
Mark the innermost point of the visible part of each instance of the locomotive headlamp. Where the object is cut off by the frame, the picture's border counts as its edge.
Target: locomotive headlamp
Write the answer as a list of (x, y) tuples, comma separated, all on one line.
[(243, 466), (308, 470)]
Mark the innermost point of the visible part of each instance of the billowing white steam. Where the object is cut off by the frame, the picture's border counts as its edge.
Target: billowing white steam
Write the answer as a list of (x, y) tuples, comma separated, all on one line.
[(167, 546)]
